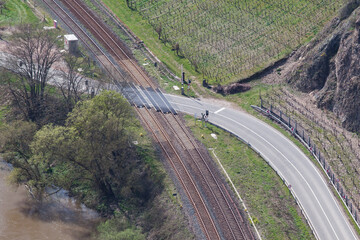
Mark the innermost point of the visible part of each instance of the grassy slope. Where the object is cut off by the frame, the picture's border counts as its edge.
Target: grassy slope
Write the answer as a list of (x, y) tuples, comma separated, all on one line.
[(16, 12), (165, 83), (230, 39), (272, 206), (245, 100), (146, 33), (333, 145)]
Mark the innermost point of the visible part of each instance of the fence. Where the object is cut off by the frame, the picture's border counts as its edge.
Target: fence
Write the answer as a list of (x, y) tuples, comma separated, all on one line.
[(299, 132)]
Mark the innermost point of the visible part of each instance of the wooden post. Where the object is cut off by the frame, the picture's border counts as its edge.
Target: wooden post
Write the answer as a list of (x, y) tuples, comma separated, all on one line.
[(303, 135), (289, 121)]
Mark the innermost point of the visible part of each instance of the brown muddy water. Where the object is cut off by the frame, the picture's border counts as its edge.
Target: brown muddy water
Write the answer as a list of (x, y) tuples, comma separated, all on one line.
[(59, 218)]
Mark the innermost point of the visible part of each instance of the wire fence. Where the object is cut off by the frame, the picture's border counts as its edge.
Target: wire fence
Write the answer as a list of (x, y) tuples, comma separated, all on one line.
[(279, 115)]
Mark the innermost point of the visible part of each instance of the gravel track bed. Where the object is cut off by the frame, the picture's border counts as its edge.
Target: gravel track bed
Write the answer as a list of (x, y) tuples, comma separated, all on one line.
[(176, 146)]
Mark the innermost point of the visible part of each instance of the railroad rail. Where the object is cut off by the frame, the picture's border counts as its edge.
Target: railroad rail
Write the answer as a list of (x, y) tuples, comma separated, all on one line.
[(218, 215)]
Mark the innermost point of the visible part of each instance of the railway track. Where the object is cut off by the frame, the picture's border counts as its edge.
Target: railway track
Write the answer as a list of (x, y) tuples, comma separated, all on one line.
[(217, 213)]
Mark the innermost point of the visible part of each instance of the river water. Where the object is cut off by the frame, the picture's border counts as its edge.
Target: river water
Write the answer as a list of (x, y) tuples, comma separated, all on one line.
[(59, 218)]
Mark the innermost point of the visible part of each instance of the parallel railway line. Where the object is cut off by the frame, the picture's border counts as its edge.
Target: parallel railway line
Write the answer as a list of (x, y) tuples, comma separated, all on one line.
[(211, 183), (218, 215)]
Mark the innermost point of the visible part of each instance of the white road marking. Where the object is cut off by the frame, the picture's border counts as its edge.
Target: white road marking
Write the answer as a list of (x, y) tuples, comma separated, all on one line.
[(312, 191), (290, 164), (317, 170), (219, 110)]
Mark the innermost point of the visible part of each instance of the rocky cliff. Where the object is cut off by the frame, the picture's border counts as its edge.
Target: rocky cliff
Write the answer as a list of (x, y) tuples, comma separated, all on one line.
[(329, 67)]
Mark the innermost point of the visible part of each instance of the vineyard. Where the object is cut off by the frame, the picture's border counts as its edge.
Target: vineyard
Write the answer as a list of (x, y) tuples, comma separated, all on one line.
[(231, 39), (339, 147)]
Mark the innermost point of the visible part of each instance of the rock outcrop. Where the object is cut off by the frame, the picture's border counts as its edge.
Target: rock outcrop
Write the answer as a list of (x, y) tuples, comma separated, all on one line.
[(329, 67)]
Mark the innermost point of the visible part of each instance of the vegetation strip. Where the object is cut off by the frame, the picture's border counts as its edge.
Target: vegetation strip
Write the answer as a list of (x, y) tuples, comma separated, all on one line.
[(142, 29), (324, 166), (236, 191), (222, 38), (15, 12), (341, 148), (274, 209)]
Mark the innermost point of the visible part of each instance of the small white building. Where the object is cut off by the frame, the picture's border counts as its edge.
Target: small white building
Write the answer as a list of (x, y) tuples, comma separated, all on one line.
[(71, 43)]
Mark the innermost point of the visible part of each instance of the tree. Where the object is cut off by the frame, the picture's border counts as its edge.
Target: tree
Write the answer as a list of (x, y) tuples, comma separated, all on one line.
[(92, 156), (15, 139), (95, 149), (98, 132), (34, 53), (73, 85), (176, 47), (158, 30)]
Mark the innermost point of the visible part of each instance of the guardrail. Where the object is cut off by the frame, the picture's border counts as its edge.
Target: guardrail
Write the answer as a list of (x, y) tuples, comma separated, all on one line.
[(299, 132), (277, 172)]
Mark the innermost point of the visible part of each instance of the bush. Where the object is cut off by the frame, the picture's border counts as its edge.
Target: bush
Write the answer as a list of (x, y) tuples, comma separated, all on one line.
[(118, 229)]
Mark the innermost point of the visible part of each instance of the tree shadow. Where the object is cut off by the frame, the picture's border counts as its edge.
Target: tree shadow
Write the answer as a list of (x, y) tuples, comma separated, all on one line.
[(75, 220)]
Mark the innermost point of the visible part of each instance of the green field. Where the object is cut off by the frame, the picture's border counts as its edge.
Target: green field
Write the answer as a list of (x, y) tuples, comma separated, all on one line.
[(15, 12), (273, 209), (226, 40)]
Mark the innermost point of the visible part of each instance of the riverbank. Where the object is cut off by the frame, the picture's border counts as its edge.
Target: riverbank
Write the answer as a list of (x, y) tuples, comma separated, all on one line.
[(22, 218)]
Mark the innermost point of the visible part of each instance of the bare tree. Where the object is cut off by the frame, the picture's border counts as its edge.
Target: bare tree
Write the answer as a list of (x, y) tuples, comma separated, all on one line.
[(75, 83), (34, 53)]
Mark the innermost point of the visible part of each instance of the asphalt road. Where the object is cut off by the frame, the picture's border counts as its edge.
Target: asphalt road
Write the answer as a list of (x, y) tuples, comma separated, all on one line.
[(307, 184), (311, 189)]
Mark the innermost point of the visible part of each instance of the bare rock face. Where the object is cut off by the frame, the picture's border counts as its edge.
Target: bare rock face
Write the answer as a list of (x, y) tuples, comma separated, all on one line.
[(347, 72), (331, 67)]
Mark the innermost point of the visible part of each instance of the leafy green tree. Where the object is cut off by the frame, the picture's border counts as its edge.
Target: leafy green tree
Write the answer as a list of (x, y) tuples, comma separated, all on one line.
[(95, 145), (93, 155), (15, 139)]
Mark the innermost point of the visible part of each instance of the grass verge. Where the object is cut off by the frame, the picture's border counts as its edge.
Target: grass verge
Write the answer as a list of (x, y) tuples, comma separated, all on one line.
[(165, 82), (222, 38), (15, 12), (142, 29), (352, 222), (270, 202), (245, 100)]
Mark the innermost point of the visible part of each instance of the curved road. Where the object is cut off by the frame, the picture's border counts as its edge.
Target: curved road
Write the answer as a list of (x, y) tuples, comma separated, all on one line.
[(307, 184)]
